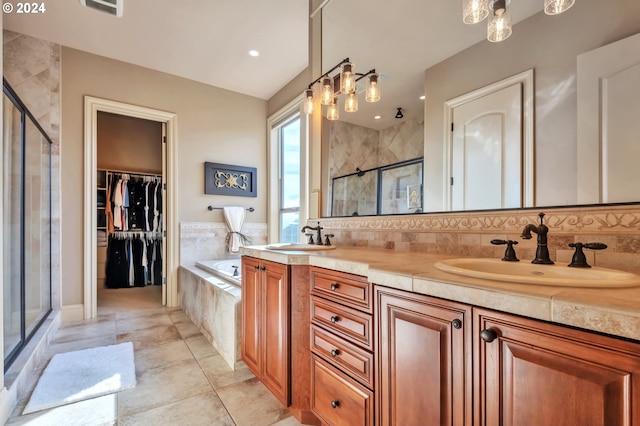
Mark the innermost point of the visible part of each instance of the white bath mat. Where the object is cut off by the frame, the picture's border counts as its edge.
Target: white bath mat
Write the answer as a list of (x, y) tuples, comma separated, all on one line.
[(79, 375)]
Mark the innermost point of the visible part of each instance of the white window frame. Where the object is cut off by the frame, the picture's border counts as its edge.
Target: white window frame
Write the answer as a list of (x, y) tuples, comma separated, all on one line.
[(273, 166)]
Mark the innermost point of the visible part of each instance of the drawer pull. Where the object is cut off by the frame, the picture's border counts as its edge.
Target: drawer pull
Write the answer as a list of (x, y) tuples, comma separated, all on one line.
[(334, 286), (335, 403), (335, 352), (457, 324), (256, 267), (334, 318), (264, 268), (488, 335)]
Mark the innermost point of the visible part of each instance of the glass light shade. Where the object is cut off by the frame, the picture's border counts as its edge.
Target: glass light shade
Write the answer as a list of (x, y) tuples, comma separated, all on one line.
[(474, 11), (373, 90), (351, 102), (499, 27), (333, 112), (347, 79), (308, 103), (327, 91), (555, 7)]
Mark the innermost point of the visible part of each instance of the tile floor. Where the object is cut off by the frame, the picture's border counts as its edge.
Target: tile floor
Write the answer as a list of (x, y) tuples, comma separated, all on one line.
[(182, 380)]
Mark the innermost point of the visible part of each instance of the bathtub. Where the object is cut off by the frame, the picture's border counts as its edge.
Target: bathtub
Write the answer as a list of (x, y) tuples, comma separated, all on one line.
[(228, 269)]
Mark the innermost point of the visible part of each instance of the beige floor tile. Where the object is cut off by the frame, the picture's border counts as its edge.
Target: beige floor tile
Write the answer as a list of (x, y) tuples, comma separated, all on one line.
[(251, 404), (161, 386), (188, 329), (201, 347), (58, 348), (162, 355), (205, 409), (220, 374), (128, 324), (289, 421), (140, 313), (178, 316), (69, 333), (150, 336)]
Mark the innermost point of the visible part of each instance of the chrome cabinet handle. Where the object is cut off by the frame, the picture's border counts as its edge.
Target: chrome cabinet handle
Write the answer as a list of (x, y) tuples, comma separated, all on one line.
[(334, 318), (335, 352), (335, 403), (334, 286)]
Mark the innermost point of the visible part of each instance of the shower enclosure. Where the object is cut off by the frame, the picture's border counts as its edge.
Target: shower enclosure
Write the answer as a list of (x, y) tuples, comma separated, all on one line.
[(26, 224)]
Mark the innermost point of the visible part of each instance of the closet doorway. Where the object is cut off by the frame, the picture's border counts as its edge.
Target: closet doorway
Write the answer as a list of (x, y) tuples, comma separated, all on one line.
[(130, 220)]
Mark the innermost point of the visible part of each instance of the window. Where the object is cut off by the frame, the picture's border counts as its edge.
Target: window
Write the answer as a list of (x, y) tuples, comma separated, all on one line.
[(289, 148), (287, 173)]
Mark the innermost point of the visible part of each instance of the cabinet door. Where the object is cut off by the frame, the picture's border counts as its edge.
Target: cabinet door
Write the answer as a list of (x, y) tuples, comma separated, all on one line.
[(275, 373), (251, 314), (533, 373), (424, 366)]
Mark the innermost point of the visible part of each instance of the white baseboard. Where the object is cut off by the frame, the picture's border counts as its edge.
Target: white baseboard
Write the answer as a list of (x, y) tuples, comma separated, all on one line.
[(6, 405), (72, 313)]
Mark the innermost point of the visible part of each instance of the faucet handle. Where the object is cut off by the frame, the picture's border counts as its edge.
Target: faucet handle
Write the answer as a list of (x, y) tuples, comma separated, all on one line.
[(309, 238), (579, 260), (327, 242), (509, 253)]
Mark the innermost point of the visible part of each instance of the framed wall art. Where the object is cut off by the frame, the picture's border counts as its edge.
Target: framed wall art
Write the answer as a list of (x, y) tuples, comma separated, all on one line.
[(225, 179)]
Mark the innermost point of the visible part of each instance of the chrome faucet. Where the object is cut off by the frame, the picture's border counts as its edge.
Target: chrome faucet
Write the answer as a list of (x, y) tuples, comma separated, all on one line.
[(542, 251), (319, 235)]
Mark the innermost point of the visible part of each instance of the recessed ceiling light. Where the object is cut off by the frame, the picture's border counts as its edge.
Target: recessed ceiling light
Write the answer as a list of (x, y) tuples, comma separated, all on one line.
[(377, 117), (422, 98), (254, 53)]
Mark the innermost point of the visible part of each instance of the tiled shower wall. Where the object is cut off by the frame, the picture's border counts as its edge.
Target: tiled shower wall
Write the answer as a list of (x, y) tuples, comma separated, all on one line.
[(470, 233), (32, 67)]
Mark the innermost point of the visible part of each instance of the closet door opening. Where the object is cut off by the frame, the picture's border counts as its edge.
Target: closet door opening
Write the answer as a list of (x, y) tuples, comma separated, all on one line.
[(130, 213)]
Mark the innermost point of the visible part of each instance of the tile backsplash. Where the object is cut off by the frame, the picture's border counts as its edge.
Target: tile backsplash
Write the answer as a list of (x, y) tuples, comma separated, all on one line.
[(206, 240), (470, 233)]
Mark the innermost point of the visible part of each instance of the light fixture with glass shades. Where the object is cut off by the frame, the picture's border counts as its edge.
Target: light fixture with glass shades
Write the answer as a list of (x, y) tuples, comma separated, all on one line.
[(556, 7), (474, 11), (499, 24), (327, 89)]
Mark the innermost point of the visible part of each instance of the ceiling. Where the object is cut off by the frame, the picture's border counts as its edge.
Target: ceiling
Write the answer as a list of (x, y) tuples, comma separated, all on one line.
[(401, 39), (203, 40)]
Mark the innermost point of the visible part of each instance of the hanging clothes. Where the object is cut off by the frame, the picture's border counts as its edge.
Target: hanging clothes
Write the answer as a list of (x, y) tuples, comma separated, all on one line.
[(134, 259)]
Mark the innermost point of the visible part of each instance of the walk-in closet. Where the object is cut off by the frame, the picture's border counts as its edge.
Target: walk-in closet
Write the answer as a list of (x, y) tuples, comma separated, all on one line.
[(130, 233)]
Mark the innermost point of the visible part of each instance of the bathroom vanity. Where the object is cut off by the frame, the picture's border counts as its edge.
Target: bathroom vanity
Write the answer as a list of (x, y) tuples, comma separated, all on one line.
[(394, 340)]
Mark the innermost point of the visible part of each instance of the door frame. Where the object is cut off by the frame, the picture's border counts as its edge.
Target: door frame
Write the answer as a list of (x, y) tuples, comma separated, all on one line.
[(527, 148), (92, 106)]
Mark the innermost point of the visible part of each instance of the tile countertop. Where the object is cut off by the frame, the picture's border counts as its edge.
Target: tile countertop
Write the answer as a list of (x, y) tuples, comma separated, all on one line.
[(610, 311)]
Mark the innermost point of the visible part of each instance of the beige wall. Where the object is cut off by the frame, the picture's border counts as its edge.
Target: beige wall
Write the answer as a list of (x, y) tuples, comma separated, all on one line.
[(213, 125), (129, 144), (549, 45)]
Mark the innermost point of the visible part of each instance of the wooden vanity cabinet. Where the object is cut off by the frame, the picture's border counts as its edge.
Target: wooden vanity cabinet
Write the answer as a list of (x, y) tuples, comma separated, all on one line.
[(342, 359), (424, 360), (265, 323), (528, 372)]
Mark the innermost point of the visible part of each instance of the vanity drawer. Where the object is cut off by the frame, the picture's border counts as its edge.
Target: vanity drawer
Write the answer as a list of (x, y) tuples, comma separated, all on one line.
[(354, 361), (350, 289), (337, 399), (350, 324)]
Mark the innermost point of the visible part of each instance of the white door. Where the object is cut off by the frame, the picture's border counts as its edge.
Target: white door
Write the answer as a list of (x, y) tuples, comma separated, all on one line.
[(608, 125), (486, 165)]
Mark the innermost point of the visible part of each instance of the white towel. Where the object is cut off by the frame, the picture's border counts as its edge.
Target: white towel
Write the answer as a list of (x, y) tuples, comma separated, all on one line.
[(234, 218)]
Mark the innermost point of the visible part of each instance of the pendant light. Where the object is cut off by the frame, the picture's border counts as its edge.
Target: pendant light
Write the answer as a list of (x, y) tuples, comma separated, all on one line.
[(347, 79), (327, 91), (499, 27), (333, 112), (556, 7), (373, 90), (474, 11), (351, 102), (308, 103)]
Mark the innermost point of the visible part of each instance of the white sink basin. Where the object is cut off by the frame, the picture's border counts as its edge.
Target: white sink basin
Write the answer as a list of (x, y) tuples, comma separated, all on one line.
[(298, 247), (529, 273)]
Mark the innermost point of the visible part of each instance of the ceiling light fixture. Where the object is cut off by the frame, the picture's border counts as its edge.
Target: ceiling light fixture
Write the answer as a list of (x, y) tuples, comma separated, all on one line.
[(556, 7), (254, 53), (499, 25), (399, 113), (328, 88)]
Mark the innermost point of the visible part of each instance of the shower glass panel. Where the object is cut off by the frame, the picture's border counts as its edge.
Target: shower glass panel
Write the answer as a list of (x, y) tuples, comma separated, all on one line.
[(26, 187)]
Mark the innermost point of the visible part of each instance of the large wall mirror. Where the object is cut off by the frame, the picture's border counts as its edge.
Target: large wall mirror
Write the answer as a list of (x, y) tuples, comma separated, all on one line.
[(428, 59)]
